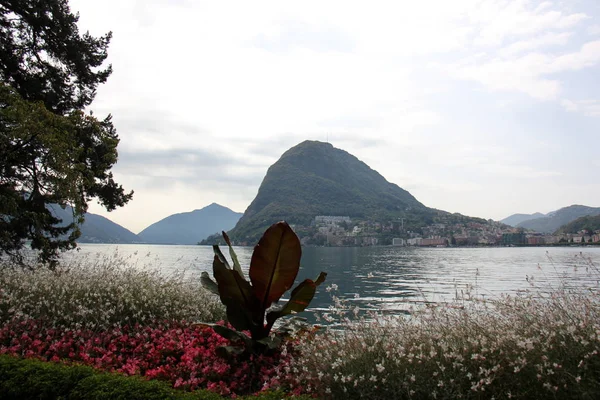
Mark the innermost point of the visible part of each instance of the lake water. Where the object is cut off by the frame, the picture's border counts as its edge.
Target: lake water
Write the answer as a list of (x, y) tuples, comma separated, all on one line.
[(393, 278)]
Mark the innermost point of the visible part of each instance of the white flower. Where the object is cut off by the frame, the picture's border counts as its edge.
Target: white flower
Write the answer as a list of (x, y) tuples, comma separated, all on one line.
[(332, 287)]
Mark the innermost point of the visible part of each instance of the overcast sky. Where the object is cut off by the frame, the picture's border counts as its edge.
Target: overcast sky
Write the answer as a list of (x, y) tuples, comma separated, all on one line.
[(486, 108)]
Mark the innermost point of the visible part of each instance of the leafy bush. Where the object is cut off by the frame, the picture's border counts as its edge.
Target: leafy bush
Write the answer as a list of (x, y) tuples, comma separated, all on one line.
[(102, 293), (32, 379), (273, 268), (24, 379)]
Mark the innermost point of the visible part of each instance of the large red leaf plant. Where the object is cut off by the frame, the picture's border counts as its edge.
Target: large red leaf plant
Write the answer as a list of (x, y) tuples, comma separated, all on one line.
[(249, 304)]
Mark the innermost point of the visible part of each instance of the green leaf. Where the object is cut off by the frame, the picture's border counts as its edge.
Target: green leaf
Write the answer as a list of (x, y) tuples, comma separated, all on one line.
[(301, 297), (271, 342), (275, 263), (228, 352), (234, 258), (219, 254), (230, 334), (236, 294), (240, 318), (208, 283), (233, 289)]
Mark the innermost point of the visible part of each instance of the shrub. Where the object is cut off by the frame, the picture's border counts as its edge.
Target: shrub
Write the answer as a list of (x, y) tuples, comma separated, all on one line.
[(24, 379), (102, 293), (32, 379)]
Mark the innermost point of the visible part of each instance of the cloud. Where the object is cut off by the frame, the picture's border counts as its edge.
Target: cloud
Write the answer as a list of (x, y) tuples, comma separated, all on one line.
[(569, 105), (536, 43), (522, 172), (297, 34), (448, 96), (516, 75), (587, 56), (532, 74), (501, 20), (593, 30), (589, 107), (164, 169)]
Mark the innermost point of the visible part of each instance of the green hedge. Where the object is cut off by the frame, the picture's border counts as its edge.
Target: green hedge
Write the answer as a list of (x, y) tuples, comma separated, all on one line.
[(25, 379)]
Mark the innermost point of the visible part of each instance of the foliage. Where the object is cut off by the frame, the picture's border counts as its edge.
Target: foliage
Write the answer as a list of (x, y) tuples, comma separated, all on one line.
[(102, 293), (46, 59), (29, 379), (540, 344), (186, 356), (44, 162), (588, 223), (273, 268), (51, 152)]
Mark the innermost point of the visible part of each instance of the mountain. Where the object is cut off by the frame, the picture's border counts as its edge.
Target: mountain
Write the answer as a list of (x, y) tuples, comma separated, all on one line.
[(190, 227), (314, 178), (558, 218), (96, 228), (589, 223), (516, 219)]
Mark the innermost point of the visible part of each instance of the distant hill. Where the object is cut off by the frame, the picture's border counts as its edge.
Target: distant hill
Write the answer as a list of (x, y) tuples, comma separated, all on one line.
[(315, 178), (554, 220), (96, 228), (590, 223), (190, 227), (516, 219)]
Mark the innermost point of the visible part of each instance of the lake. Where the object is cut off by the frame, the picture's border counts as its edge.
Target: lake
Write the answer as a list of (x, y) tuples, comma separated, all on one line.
[(394, 278)]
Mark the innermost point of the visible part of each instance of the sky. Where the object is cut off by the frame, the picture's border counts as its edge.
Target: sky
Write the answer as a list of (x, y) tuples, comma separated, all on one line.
[(482, 107)]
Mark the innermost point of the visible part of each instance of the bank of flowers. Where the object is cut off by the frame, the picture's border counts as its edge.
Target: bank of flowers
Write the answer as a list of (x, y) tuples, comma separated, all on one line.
[(102, 292), (540, 344), (543, 343), (184, 355), (109, 314)]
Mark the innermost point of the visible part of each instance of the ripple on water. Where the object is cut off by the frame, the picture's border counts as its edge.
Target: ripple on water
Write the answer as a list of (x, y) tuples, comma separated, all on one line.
[(393, 278)]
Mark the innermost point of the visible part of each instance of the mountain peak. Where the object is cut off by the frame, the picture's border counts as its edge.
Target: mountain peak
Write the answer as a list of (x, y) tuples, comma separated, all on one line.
[(190, 227), (315, 178), (211, 206), (314, 143)]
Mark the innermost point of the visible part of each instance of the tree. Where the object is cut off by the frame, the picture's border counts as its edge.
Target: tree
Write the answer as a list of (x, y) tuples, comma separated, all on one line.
[(43, 56), (51, 151)]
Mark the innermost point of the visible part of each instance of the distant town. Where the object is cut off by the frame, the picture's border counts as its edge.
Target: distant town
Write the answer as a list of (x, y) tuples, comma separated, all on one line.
[(331, 230)]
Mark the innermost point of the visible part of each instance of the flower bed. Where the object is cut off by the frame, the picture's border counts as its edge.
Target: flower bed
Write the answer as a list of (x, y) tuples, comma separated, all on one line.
[(101, 293), (538, 345), (184, 355), (533, 346)]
